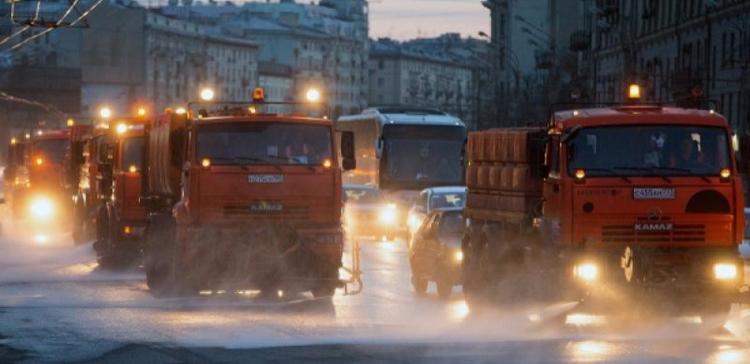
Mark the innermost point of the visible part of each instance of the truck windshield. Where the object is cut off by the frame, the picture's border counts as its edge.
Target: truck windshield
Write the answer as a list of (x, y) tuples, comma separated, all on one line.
[(421, 156), (51, 149), (362, 196), (264, 143), (132, 152), (672, 150)]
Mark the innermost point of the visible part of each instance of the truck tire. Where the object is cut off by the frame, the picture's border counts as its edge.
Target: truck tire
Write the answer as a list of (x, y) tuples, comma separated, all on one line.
[(324, 290), (419, 285), (159, 260)]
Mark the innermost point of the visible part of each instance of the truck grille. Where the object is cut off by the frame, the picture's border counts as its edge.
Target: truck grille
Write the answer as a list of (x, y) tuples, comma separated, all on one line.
[(678, 233), (287, 213)]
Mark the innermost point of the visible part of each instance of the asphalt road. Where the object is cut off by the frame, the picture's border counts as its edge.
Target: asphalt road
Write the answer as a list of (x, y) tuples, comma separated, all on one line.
[(55, 305)]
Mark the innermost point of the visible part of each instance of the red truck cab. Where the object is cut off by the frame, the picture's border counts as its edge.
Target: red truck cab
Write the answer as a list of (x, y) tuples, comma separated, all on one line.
[(244, 200)]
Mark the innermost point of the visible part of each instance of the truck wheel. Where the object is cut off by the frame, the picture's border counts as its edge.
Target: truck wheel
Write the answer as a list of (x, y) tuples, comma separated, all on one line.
[(159, 254), (445, 289), (419, 285)]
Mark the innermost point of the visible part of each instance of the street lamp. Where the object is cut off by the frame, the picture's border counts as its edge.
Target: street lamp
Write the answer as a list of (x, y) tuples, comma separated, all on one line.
[(105, 112), (313, 95), (207, 94)]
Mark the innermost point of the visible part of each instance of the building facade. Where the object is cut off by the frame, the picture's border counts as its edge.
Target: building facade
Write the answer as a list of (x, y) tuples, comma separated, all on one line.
[(690, 52), (429, 73), (325, 44), (133, 56)]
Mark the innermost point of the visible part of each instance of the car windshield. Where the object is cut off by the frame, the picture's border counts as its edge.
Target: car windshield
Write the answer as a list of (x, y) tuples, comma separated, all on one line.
[(132, 152), (51, 149), (452, 225), (649, 150), (423, 155), (440, 200), (265, 143), (362, 196)]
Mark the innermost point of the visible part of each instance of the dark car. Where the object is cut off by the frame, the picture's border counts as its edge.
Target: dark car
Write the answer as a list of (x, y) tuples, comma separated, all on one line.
[(435, 252)]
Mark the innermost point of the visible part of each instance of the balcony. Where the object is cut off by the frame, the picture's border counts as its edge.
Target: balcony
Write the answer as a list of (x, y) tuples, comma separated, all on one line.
[(580, 41)]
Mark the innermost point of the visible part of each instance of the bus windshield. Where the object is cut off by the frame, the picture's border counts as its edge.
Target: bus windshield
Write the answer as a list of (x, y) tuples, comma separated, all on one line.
[(421, 156), (670, 150), (265, 143)]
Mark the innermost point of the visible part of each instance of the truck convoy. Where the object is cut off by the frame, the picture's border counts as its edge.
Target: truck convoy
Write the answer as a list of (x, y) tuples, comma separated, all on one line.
[(626, 196), (238, 198), (404, 150)]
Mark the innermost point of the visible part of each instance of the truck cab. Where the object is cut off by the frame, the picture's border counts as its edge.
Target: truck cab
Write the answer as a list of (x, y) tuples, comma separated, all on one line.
[(606, 199), (47, 199), (649, 193), (241, 199), (120, 219)]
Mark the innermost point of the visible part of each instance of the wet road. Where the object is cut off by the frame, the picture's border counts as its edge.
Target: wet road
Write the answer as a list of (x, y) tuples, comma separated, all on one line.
[(56, 306)]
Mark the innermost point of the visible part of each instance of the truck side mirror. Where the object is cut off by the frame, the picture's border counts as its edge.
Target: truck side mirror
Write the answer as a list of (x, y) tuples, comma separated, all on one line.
[(744, 157), (349, 161)]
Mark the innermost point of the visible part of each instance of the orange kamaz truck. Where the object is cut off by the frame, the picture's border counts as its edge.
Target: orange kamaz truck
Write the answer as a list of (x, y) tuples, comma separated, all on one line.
[(46, 202), (107, 171), (605, 200), (240, 199)]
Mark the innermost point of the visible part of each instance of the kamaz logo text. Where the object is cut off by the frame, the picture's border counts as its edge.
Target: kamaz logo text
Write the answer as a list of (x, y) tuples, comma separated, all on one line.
[(653, 227)]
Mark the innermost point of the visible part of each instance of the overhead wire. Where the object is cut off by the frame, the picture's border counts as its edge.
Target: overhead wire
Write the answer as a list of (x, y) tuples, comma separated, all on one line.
[(59, 23), (13, 20)]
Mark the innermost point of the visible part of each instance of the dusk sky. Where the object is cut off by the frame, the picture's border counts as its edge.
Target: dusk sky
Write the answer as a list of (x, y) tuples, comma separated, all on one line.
[(406, 19)]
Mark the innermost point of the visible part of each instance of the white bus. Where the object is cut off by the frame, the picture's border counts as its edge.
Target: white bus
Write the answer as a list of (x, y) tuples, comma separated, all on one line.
[(404, 150)]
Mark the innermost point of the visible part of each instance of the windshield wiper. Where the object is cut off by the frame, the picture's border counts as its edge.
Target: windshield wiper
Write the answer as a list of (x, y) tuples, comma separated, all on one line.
[(612, 171), (685, 170), (650, 169), (244, 166)]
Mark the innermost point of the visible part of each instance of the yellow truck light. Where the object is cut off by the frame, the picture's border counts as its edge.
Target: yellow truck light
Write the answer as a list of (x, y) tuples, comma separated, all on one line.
[(105, 112), (725, 271), (580, 174), (634, 92), (207, 94), (132, 168), (313, 95), (205, 162), (587, 272), (725, 173)]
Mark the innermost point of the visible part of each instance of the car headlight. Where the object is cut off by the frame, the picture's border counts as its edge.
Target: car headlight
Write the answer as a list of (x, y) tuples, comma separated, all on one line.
[(587, 272), (725, 271), (42, 208), (388, 214)]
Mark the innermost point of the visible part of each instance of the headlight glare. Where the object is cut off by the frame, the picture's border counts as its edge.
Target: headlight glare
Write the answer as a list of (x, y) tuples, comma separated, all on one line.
[(587, 272), (42, 208), (725, 271)]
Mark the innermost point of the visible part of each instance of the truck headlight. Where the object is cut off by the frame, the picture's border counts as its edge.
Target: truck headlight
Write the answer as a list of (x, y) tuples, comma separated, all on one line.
[(725, 271), (587, 272), (388, 214), (42, 208), (458, 256)]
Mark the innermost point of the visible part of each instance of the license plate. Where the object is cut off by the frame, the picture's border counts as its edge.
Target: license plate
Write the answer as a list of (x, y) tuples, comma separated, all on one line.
[(653, 226), (654, 193), (265, 178), (267, 207)]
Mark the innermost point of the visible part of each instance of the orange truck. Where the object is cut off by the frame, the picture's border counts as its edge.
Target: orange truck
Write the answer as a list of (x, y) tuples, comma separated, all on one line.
[(243, 199), (604, 199), (45, 202), (108, 163)]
